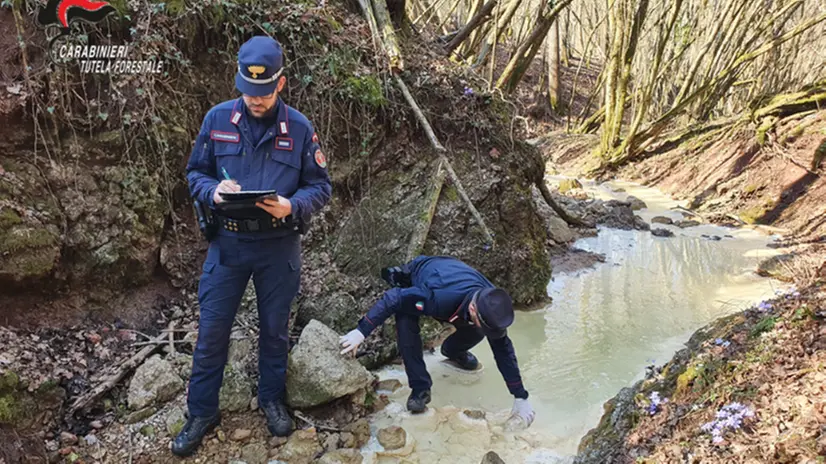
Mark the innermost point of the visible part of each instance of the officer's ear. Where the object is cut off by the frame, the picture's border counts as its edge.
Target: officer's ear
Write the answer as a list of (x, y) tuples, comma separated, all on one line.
[(282, 81)]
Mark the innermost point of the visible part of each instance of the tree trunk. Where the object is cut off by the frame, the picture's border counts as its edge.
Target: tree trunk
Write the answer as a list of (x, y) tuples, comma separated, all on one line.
[(480, 18), (526, 52), (553, 66)]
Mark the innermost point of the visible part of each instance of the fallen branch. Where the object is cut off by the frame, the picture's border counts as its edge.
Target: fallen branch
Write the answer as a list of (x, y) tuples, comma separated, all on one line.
[(419, 236), (445, 162), (171, 334), (113, 379), (323, 428), (549, 199)]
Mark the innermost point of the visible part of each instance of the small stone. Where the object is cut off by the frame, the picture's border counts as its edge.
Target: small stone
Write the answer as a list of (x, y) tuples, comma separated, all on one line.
[(393, 437), (331, 442), (148, 431), (390, 385), (222, 437), (492, 458), (66, 450), (361, 430), (686, 223), (254, 453), (662, 233), (254, 403), (96, 424), (342, 456), (661, 220), (275, 442), (91, 440), (52, 445), (348, 440), (474, 414), (240, 434), (67, 438), (636, 203)]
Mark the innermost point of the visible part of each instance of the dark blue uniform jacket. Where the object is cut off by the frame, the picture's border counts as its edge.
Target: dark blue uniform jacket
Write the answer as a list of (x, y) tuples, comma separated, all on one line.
[(442, 289), (287, 158)]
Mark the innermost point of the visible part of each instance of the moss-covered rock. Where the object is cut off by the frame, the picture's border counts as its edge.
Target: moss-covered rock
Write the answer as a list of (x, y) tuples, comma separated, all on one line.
[(24, 410)]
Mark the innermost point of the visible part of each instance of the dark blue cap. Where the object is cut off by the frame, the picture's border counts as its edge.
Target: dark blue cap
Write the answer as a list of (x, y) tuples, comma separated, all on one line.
[(495, 309), (260, 61)]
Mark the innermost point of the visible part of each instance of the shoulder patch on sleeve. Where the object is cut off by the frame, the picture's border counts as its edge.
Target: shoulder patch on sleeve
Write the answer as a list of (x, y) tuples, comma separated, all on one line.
[(315, 137), (320, 159)]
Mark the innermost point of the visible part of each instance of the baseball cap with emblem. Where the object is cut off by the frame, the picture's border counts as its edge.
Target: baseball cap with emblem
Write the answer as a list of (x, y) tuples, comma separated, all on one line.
[(495, 311), (260, 62)]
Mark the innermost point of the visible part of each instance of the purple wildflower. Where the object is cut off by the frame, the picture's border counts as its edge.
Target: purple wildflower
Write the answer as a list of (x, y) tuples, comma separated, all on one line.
[(764, 306), (655, 402), (721, 342), (468, 91), (729, 417)]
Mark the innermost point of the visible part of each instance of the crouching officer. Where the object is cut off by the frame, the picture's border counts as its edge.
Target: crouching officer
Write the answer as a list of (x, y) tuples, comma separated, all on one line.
[(261, 144), (448, 290)]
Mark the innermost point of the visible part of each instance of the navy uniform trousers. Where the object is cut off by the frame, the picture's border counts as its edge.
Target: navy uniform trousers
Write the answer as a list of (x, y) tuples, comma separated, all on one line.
[(275, 267), (411, 350)]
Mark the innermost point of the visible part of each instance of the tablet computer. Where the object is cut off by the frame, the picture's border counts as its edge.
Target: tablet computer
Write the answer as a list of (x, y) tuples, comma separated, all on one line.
[(248, 196)]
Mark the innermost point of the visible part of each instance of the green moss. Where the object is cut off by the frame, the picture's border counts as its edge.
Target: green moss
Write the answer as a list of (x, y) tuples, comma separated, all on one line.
[(8, 218), (366, 89), (9, 381), (751, 188), (685, 379), (9, 409), (766, 324), (21, 239), (753, 215), (450, 192)]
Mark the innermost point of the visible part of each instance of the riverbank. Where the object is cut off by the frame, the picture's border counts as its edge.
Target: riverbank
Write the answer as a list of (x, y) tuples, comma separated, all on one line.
[(746, 388)]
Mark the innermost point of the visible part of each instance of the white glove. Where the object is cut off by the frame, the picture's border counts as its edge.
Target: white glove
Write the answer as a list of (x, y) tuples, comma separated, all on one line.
[(523, 409), (351, 341)]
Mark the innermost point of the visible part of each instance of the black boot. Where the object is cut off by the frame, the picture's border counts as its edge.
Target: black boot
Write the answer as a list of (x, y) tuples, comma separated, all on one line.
[(279, 422), (193, 432), (465, 360), (418, 401)]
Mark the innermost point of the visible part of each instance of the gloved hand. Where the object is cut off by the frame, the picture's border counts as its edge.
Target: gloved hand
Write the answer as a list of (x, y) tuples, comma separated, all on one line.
[(351, 341), (523, 409)]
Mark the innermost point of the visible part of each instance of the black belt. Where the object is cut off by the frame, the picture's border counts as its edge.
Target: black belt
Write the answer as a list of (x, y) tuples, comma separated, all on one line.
[(255, 225)]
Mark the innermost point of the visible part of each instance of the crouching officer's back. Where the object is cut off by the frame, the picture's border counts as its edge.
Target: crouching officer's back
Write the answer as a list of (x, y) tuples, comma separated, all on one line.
[(255, 142)]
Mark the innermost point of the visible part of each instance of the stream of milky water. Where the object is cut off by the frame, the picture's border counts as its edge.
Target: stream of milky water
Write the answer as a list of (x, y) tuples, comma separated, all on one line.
[(604, 326)]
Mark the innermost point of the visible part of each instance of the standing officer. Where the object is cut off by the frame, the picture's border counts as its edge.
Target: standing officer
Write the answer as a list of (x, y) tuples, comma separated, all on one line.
[(262, 144), (448, 290)]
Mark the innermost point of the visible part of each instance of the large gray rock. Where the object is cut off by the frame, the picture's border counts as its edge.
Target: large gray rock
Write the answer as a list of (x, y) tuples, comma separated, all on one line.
[(317, 373), (154, 381), (236, 391)]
